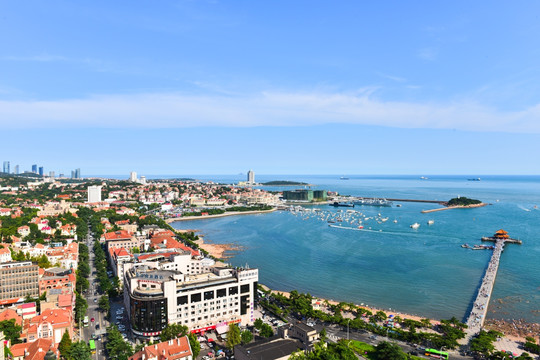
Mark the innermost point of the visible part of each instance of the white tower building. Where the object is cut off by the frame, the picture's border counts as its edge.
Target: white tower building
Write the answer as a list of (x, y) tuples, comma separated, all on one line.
[(133, 176), (94, 194), (251, 177)]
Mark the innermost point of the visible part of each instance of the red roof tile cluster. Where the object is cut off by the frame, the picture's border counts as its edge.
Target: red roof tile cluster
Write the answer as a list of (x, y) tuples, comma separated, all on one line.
[(175, 349)]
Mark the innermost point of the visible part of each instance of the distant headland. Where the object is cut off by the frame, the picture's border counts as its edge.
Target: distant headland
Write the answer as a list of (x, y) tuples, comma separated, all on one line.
[(284, 183)]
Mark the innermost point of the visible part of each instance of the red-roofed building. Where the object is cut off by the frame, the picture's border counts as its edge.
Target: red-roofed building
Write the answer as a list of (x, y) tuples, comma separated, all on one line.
[(119, 256), (175, 349), (33, 351), (5, 254), (51, 324), (120, 239), (9, 314)]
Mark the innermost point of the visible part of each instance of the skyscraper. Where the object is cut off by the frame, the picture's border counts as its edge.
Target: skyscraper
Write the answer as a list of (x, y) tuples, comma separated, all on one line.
[(77, 173), (41, 170), (34, 169), (133, 176), (6, 167), (16, 170), (94, 194), (251, 177)]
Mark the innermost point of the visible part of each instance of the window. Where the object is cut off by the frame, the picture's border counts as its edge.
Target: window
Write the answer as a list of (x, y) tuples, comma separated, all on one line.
[(233, 290), (244, 288), (221, 293), (208, 295), (182, 300), (195, 297)]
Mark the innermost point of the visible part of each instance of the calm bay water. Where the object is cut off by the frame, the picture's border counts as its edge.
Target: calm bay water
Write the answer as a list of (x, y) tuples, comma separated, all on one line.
[(423, 271)]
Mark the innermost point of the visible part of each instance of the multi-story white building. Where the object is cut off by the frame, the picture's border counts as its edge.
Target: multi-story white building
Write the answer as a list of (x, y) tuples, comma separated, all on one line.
[(133, 176), (94, 194), (210, 300), (251, 177)]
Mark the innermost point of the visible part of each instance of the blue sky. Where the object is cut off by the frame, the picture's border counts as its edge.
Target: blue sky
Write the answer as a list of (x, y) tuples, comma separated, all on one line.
[(283, 87)]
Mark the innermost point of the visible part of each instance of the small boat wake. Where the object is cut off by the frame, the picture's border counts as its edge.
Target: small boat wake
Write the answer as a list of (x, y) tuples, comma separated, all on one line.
[(379, 231), (526, 209)]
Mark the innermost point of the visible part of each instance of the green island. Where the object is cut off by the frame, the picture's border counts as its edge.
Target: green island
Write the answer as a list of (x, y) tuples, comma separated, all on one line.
[(463, 201), (283, 183)]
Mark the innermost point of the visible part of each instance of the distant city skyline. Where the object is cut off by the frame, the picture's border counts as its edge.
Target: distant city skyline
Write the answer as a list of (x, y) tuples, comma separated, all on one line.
[(281, 87)]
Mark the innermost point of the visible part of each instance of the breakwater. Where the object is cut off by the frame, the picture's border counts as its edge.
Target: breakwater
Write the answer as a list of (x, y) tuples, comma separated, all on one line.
[(477, 317)]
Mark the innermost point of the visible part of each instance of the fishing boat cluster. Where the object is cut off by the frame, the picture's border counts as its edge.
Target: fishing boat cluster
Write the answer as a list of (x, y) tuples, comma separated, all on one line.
[(345, 219), (478, 247)]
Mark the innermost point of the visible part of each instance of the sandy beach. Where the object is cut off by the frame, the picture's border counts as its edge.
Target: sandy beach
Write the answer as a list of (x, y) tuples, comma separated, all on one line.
[(217, 250), (229, 213)]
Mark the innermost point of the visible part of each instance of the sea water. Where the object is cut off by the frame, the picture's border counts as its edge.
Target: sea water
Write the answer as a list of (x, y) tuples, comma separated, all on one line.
[(391, 266)]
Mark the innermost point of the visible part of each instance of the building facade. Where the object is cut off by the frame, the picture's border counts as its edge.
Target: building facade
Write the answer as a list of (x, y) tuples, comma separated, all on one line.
[(251, 177), (18, 280), (6, 167), (155, 298), (94, 194)]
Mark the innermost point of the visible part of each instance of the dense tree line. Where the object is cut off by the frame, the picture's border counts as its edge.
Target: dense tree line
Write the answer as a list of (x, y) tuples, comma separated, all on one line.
[(463, 201)]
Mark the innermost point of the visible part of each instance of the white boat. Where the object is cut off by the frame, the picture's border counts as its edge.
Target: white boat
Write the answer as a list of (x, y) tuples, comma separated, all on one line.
[(431, 222), (415, 225)]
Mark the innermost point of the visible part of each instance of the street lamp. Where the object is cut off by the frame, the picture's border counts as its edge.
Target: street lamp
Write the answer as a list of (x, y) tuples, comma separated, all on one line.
[(348, 321)]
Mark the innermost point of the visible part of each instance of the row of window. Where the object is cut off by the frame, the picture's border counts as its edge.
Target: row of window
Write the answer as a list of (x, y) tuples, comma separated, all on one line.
[(211, 294), (206, 317)]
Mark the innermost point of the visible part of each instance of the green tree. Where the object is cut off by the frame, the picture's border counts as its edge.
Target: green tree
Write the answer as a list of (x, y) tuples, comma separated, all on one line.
[(323, 334), (233, 336), (173, 331), (258, 323), (104, 303), (389, 351), (65, 346), (11, 330), (246, 337), (80, 308), (117, 347), (80, 351), (266, 331), (195, 345)]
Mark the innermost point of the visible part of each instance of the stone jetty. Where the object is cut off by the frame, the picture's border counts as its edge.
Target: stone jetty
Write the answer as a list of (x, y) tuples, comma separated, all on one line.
[(477, 317)]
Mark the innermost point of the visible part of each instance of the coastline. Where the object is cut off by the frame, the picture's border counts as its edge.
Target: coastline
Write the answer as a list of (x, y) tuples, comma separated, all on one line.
[(373, 309), (217, 250), (455, 207), (514, 331), (230, 213)]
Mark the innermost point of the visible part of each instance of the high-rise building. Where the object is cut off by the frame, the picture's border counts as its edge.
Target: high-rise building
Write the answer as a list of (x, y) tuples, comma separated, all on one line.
[(77, 173), (41, 170), (251, 177), (202, 302), (51, 174), (34, 169), (18, 280), (6, 167), (16, 170), (94, 194), (133, 176), (143, 180)]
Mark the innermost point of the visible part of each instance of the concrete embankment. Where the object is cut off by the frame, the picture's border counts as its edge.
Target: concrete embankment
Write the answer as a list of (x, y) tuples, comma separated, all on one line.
[(229, 213), (454, 207)]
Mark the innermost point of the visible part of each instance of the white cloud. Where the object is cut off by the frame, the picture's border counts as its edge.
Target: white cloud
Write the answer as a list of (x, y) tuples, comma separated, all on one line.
[(173, 110)]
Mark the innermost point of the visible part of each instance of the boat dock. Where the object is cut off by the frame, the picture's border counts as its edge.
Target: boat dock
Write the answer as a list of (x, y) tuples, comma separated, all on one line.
[(477, 317)]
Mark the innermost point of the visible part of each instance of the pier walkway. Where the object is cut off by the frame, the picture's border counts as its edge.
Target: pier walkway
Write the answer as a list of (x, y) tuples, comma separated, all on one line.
[(476, 319)]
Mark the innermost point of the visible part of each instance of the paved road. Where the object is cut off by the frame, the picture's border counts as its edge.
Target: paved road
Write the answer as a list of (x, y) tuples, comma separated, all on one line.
[(338, 332), (100, 323)]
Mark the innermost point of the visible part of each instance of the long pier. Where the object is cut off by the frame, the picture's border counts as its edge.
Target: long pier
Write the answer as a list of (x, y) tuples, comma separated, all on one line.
[(407, 200), (477, 317)]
